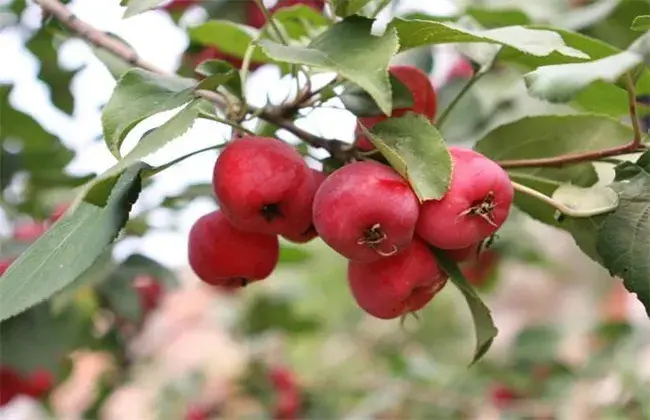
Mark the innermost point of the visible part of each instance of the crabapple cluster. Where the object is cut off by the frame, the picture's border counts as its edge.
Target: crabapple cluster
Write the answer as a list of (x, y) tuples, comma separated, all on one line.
[(365, 211), (12, 384)]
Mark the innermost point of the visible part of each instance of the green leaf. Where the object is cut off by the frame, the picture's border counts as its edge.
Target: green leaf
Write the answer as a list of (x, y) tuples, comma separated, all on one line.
[(594, 198), (357, 101), (57, 79), (345, 8), (67, 249), (115, 65), (229, 37), (140, 94), (300, 21), (175, 127), (217, 73), (562, 82), (416, 150), (135, 7), (547, 136), (537, 344), (38, 338), (539, 43), (624, 239), (483, 323), (276, 313), (641, 23), (367, 66)]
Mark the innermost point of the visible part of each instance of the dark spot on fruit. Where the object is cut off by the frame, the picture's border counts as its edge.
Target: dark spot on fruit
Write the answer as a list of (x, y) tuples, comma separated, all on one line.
[(270, 212)]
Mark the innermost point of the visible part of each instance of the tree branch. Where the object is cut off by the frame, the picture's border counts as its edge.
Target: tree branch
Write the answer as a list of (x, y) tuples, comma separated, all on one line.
[(338, 149)]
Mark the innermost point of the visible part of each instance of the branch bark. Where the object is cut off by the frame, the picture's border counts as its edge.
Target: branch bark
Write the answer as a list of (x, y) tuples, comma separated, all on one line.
[(338, 149)]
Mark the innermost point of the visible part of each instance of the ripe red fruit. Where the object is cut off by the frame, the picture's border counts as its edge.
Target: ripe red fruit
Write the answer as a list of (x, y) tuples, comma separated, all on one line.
[(424, 101), (150, 292), (180, 5), (397, 285), (462, 69), (264, 186), (29, 231), (475, 206), (196, 413), (13, 384), (311, 232), (222, 255), (463, 254), (39, 383), (366, 211)]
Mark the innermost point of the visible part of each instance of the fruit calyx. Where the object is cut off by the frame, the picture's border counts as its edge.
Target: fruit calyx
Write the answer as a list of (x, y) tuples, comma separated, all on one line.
[(373, 237), (483, 209)]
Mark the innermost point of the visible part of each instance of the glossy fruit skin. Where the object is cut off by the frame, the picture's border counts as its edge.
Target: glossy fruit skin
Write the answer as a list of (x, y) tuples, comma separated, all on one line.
[(264, 186), (397, 285), (311, 232), (449, 223), (363, 197), (424, 101), (222, 255)]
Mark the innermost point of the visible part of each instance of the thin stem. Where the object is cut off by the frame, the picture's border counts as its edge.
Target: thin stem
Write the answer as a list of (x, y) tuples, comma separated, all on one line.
[(567, 211), (229, 123), (271, 21), (631, 97), (151, 172), (445, 114)]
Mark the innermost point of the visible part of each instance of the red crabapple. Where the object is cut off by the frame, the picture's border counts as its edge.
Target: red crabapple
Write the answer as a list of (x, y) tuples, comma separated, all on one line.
[(479, 269), (366, 211), (58, 212), (4, 265), (462, 69), (223, 255), (287, 392), (264, 186), (310, 233), (424, 101), (463, 254), (397, 285), (475, 206), (39, 382)]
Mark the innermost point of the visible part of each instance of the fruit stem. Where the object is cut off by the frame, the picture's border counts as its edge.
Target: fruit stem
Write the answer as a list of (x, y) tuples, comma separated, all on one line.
[(445, 114), (635, 145), (565, 210), (151, 172)]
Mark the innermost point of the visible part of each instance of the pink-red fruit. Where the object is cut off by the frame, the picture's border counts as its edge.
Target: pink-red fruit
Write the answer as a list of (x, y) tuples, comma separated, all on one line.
[(222, 255), (475, 206), (397, 285), (310, 233), (263, 185), (366, 211)]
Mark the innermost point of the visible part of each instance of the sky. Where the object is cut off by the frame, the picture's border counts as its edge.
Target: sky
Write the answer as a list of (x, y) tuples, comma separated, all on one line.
[(158, 41)]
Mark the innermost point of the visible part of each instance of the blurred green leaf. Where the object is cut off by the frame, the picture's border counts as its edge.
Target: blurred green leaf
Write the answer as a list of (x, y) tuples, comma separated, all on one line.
[(229, 37), (358, 102), (154, 140), (483, 324), (527, 41), (190, 193), (589, 199), (293, 255), (300, 21), (367, 67), (345, 8), (135, 7), (267, 313), (641, 23), (562, 82), (536, 344), (140, 94), (38, 338), (41, 44), (416, 150), (67, 249)]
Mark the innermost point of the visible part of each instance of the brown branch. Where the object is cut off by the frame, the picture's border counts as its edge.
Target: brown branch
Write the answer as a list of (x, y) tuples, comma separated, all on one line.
[(572, 158), (338, 149)]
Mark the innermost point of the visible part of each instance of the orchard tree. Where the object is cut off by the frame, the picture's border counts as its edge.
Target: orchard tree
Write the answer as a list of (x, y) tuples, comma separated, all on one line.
[(414, 204)]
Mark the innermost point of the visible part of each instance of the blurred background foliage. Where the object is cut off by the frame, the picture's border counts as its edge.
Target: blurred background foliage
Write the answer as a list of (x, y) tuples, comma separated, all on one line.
[(572, 343)]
